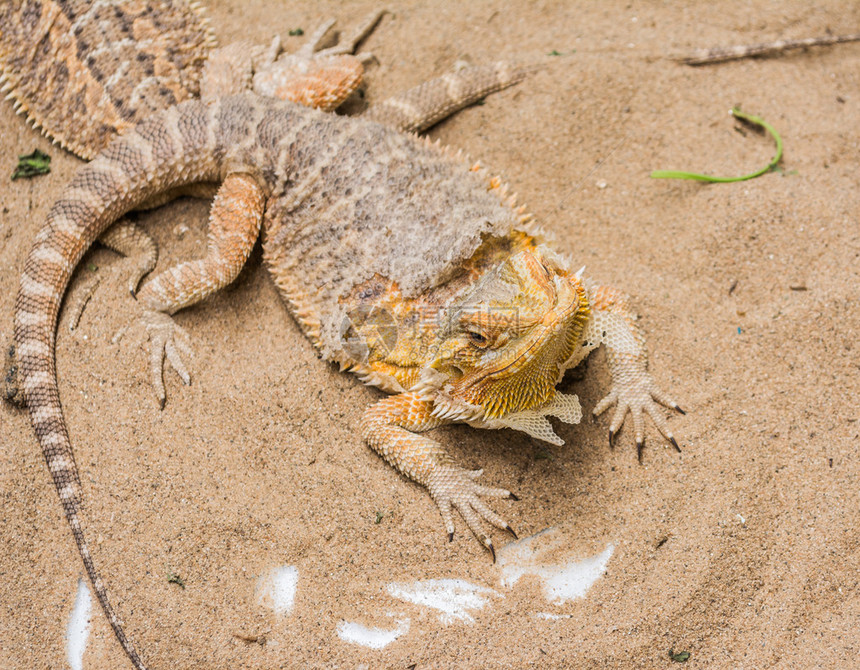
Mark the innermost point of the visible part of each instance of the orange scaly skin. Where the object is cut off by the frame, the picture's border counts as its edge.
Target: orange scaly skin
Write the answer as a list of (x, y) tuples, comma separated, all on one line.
[(57, 58), (66, 86), (476, 351)]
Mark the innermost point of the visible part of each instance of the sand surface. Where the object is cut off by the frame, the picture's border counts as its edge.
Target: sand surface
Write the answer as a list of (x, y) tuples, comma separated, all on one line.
[(743, 550)]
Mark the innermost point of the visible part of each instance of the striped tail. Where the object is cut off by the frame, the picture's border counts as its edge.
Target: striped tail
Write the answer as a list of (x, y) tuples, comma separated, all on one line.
[(425, 105), (172, 148)]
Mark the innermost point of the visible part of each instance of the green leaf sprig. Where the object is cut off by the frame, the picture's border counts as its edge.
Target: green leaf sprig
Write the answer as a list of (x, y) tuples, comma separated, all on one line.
[(749, 118), (31, 165)]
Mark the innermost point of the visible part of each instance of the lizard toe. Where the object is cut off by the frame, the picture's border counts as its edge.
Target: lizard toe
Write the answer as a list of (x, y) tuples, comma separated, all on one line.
[(167, 341), (454, 487), (637, 397)]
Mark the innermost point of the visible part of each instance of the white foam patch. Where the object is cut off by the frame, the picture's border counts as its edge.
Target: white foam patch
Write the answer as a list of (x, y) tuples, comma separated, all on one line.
[(78, 627), (374, 638), (454, 598), (277, 589), (562, 580)]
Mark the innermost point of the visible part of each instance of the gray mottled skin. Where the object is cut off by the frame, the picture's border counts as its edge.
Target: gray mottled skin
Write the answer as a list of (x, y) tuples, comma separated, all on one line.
[(317, 173), (371, 202)]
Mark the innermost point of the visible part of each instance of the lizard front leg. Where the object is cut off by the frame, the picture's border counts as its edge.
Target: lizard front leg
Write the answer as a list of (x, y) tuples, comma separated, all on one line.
[(234, 225), (390, 426), (633, 389)]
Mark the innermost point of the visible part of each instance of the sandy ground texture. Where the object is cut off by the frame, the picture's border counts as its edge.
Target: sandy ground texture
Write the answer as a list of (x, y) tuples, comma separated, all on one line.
[(743, 550)]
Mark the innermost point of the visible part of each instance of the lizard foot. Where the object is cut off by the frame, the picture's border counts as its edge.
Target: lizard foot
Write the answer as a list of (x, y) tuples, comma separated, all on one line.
[(167, 340), (313, 48), (141, 253), (453, 486), (132, 279), (313, 76), (637, 396)]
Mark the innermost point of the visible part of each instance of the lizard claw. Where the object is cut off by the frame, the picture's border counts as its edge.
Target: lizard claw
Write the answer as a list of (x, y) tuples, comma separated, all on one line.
[(167, 340), (79, 301), (489, 544), (454, 487), (638, 396)]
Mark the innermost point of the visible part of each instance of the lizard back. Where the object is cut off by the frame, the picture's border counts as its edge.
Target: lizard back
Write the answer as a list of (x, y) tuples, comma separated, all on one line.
[(370, 202), (84, 71)]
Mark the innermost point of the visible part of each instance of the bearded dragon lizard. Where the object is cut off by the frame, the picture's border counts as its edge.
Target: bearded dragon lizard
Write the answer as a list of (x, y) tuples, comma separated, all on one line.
[(85, 71), (400, 260)]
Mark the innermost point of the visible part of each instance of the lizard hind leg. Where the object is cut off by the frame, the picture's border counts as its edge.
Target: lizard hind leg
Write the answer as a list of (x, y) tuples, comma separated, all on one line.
[(133, 242), (234, 225)]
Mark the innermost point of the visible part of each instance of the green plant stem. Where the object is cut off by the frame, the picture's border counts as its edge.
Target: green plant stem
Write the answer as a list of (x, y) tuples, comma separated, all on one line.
[(749, 118)]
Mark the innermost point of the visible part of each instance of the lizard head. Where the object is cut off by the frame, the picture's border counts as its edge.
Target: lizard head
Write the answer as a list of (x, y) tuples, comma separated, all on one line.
[(508, 340)]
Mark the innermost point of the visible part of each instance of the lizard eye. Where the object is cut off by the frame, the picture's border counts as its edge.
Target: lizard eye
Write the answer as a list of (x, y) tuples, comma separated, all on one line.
[(478, 339)]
